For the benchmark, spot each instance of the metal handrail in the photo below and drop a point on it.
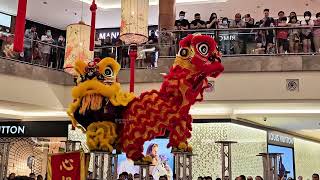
(240, 29)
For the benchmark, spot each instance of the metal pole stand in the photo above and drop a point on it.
(226, 158)
(143, 171)
(270, 165)
(72, 145)
(183, 165)
(4, 157)
(102, 170)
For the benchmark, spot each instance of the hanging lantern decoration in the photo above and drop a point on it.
(134, 29)
(134, 21)
(77, 45)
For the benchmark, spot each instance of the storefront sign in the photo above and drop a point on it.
(280, 139)
(34, 129)
(114, 33)
(12, 130)
(222, 37)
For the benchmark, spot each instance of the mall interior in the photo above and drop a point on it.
(259, 119)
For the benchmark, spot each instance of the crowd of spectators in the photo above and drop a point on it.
(128, 176)
(32, 176)
(43, 49)
(314, 176)
(239, 35)
(244, 35)
(148, 52)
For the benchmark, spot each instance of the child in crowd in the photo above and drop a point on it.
(307, 32)
(282, 36)
(294, 34)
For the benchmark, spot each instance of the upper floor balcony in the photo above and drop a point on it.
(274, 49)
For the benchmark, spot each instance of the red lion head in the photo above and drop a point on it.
(201, 51)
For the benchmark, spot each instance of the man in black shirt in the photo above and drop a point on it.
(269, 34)
(182, 23)
(153, 40)
(197, 23)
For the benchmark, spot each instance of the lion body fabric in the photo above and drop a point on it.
(156, 112)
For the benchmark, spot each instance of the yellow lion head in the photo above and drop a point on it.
(96, 83)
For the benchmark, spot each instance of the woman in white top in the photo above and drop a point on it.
(46, 49)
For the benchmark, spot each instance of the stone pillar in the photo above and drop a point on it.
(167, 14)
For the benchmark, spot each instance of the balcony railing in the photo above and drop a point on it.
(273, 41)
(300, 40)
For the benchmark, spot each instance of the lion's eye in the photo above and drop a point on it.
(203, 48)
(183, 52)
(108, 72)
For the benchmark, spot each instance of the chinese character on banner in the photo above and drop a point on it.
(68, 166)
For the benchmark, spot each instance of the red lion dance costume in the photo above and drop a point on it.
(99, 101)
(154, 112)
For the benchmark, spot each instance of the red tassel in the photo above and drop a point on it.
(93, 9)
(20, 26)
(133, 56)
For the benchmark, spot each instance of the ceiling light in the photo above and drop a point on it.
(209, 111)
(34, 113)
(276, 111)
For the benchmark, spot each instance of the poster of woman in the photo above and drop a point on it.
(162, 160)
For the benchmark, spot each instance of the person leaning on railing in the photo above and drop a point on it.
(30, 35)
(282, 35)
(294, 34)
(153, 40)
(224, 36)
(181, 24)
(197, 23)
(213, 23)
(107, 48)
(60, 52)
(46, 48)
(307, 32)
(316, 33)
(268, 21)
(249, 38)
(238, 43)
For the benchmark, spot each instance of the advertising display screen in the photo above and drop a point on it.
(5, 20)
(286, 164)
(162, 164)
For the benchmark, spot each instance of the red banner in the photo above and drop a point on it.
(67, 166)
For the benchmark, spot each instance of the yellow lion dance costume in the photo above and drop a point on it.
(98, 103)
